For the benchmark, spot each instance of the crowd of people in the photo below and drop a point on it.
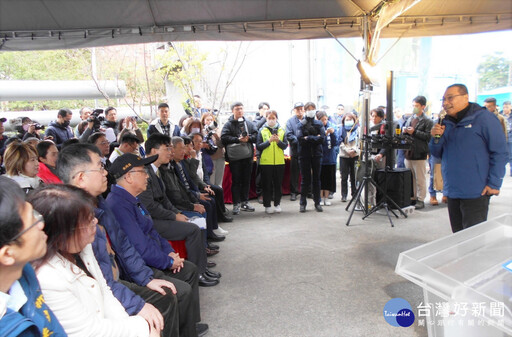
(88, 216)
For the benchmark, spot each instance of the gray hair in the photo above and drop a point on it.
(176, 140)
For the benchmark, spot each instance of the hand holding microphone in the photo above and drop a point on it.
(437, 131)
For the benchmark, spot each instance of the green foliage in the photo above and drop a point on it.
(182, 64)
(494, 72)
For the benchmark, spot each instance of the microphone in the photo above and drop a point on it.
(437, 137)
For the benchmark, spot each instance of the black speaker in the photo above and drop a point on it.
(399, 186)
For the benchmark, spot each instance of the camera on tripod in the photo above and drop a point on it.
(97, 118)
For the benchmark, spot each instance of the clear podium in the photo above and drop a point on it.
(466, 279)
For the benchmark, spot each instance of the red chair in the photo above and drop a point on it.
(180, 248)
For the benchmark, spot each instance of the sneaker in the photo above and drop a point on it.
(331, 195)
(318, 208)
(221, 231)
(260, 200)
(247, 207)
(302, 209)
(269, 210)
(433, 201)
(293, 197)
(419, 204)
(236, 209)
(327, 202)
(277, 209)
(201, 329)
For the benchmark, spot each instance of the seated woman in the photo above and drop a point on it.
(48, 154)
(23, 311)
(70, 277)
(21, 165)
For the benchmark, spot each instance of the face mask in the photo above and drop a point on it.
(303, 121)
(311, 114)
(349, 123)
(415, 111)
(65, 124)
(25, 127)
(194, 130)
(272, 122)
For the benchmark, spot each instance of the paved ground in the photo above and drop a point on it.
(294, 274)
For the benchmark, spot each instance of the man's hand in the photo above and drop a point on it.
(181, 217)
(378, 157)
(158, 284)
(410, 130)
(274, 138)
(209, 190)
(437, 130)
(154, 332)
(204, 197)
(178, 262)
(329, 131)
(153, 317)
(244, 139)
(490, 191)
(199, 208)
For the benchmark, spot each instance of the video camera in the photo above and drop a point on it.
(38, 126)
(209, 137)
(97, 118)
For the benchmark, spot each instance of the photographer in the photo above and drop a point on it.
(311, 136)
(94, 121)
(238, 136)
(85, 113)
(30, 129)
(215, 148)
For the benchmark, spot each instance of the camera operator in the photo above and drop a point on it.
(215, 148)
(311, 135)
(238, 136)
(94, 121)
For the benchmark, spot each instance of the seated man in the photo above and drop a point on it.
(167, 219)
(23, 311)
(129, 144)
(147, 294)
(181, 169)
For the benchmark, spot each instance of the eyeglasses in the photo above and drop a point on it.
(101, 170)
(91, 225)
(39, 219)
(450, 98)
(103, 143)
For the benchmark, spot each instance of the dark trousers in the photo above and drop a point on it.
(310, 170)
(219, 200)
(187, 292)
(179, 230)
(240, 179)
(465, 213)
(271, 180)
(211, 214)
(257, 179)
(167, 305)
(348, 169)
(294, 174)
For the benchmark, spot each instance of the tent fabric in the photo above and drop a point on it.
(60, 24)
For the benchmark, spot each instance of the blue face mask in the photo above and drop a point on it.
(349, 124)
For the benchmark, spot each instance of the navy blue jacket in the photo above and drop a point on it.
(312, 145)
(131, 265)
(136, 222)
(59, 133)
(292, 132)
(473, 154)
(34, 318)
(330, 154)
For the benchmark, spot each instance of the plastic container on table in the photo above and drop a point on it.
(466, 285)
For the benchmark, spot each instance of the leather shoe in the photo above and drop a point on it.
(318, 208)
(293, 197)
(212, 274)
(210, 264)
(211, 252)
(201, 329)
(212, 246)
(302, 209)
(207, 282)
(225, 218)
(216, 238)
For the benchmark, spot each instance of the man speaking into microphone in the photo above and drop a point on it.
(473, 157)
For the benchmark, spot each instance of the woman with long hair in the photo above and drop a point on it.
(70, 277)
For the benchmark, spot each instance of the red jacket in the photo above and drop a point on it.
(47, 176)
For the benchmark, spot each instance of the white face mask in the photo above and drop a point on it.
(194, 130)
(272, 122)
(311, 114)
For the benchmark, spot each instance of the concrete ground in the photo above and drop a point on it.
(307, 274)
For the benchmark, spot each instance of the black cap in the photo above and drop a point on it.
(126, 162)
(129, 138)
(3, 120)
(298, 105)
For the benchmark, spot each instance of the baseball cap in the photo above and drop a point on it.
(298, 105)
(126, 162)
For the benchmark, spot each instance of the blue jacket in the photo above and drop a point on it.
(136, 222)
(473, 153)
(59, 133)
(330, 151)
(312, 145)
(131, 265)
(34, 318)
(292, 131)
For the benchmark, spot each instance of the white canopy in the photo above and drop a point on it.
(58, 24)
